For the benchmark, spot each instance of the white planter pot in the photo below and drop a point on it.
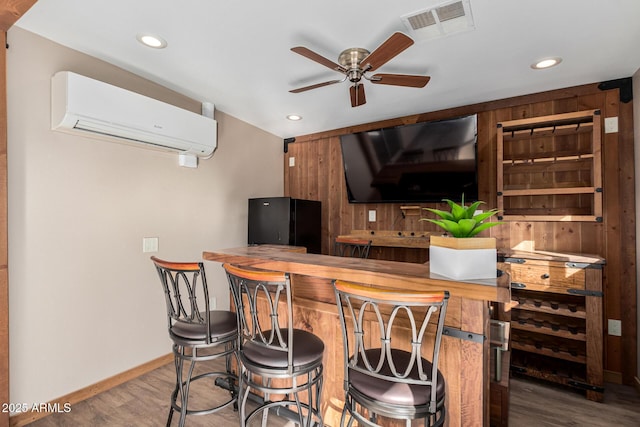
(449, 257)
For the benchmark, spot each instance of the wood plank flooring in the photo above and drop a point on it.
(533, 403)
(144, 402)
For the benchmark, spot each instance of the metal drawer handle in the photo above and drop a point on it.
(545, 276)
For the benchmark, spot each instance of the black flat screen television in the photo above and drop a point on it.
(423, 162)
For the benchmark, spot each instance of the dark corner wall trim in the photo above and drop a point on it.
(625, 85)
(288, 141)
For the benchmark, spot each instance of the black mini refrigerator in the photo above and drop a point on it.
(285, 221)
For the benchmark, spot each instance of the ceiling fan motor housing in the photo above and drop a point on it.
(351, 59)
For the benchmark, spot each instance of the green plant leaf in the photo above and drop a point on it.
(439, 223)
(441, 214)
(452, 227)
(471, 210)
(458, 211)
(484, 215)
(466, 227)
(483, 226)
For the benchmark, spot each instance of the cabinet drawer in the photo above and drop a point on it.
(548, 278)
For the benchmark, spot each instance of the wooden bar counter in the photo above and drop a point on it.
(465, 356)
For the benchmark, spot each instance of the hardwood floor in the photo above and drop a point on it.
(534, 403)
(144, 402)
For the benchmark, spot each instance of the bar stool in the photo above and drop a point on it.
(352, 247)
(198, 334)
(275, 357)
(385, 373)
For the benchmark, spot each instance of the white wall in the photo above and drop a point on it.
(85, 302)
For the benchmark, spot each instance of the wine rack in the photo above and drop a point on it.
(556, 319)
(550, 168)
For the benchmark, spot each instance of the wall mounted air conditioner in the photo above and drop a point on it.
(83, 105)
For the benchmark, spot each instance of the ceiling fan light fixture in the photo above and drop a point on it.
(151, 40)
(546, 63)
(294, 117)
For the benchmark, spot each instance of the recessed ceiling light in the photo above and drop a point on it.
(546, 63)
(150, 40)
(294, 117)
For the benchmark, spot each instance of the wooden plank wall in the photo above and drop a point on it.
(318, 175)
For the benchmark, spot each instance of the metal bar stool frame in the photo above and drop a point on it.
(352, 247)
(382, 378)
(286, 360)
(197, 335)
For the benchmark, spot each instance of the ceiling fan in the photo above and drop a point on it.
(355, 62)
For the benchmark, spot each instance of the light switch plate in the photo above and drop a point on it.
(610, 125)
(292, 162)
(615, 327)
(149, 244)
(372, 216)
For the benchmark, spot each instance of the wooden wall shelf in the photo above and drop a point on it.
(393, 239)
(550, 168)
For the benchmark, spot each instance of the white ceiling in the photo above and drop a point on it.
(237, 55)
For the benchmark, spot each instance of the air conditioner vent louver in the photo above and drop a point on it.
(445, 19)
(421, 20)
(450, 11)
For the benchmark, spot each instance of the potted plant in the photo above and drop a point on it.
(461, 255)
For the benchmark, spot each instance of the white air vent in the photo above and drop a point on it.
(444, 19)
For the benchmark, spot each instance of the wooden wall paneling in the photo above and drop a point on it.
(594, 244)
(613, 233)
(303, 161)
(324, 185)
(313, 171)
(487, 176)
(337, 192)
(628, 286)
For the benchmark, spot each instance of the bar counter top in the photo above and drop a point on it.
(392, 274)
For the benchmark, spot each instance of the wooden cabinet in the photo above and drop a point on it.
(556, 319)
(550, 168)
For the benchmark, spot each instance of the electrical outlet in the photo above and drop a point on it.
(615, 327)
(292, 162)
(372, 216)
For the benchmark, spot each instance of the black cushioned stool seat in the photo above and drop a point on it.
(197, 335)
(276, 359)
(391, 354)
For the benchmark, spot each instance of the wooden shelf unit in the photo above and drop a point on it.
(550, 168)
(557, 319)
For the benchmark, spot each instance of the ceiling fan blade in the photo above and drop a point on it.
(307, 53)
(315, 86)
(357, 95)
(400, 80)
(386, 51)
